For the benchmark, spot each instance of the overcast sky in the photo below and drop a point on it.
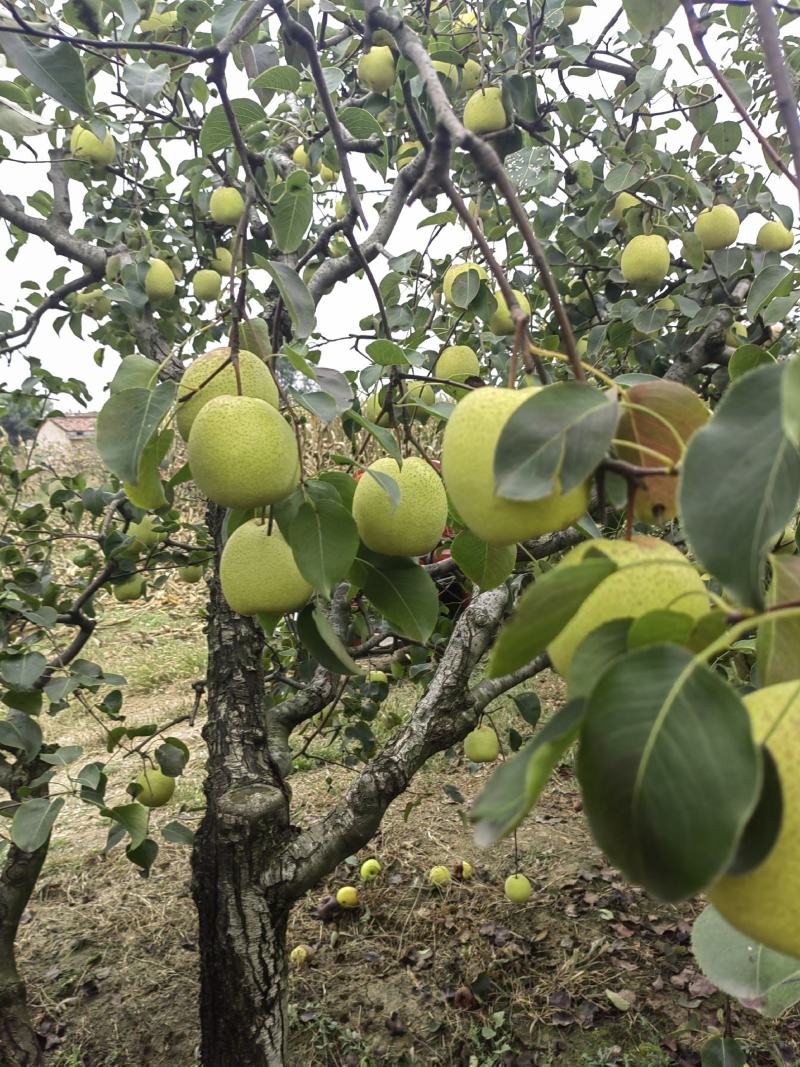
(338, 313)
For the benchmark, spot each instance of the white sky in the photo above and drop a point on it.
(338, 313)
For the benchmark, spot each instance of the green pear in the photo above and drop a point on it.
(258, 572)
(484, 111)
(412, 528)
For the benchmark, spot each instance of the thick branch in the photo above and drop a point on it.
(781, 79)
(63, 242)
(708, 349)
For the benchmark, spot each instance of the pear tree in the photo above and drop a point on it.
(564, 389)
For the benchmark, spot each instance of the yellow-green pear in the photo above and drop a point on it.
(717, 227)
(83, 144)
(226, 206)
(342, 207)
(651, 575)
(407, 151)
(207, 285)
(191, 573)
(242, 452)
(448, 71)
(484, 111)
(301, 157)
(370, 869)
(148, 490)
(131, 589)
(666, 303)
(456, 363)
(327, 174)
(414, 391)
(465, 32)
(254, 374)
(376, 69)
(222, 260)
(470, 76)
(258, 573)
(439, 876)
(623, 203)
(347, 897)
(159, 282)
(156, 788)
(501, 322)
(517, 888)
(412, 528)
(572, 12)
(454, 271)
(482, 745)
(470, 440)
(645, 261)
(94, 302)
(774, 237)
(144, 533)
(300, 954)
(735, 334)
(375, 408)
(764, 903)
(160, 25)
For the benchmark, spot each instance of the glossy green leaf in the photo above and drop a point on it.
(624, 176)
(723, 1052)
(294, 295)
(322, 642)
(763, 979)
(324, 540)
(649, 16)
(283, 79)
(401, 591)
(668, 768)
(772, 281)
(56, 71)
(747, 358)
(133, 818)
(732, 511)
(778, 642)
(543, 610)
(22, 672)
(554, 441)
(216, 133)
(134, 372)
(125, 424)
(291, 215)
(33, 822)
(485, 565)
(517, 783)
(790, 407)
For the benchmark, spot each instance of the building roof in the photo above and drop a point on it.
(77, 425)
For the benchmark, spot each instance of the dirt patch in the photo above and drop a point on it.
(590, 972)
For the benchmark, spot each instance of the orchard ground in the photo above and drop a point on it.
(590, 973)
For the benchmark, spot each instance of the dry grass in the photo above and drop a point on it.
(417, 976)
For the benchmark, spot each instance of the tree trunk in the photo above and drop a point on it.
(19, 1045)
(243, 966)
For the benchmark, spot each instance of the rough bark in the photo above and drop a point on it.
(242, 929)
(19, 1045)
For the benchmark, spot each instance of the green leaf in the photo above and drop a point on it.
(485, 565)
(598, 650)
(133, 818)
(668, 769)
(178, 833)
(723, 1052)
(725, 136)
(291, 213)
(732, 511)
(747, 358)
(56, 71)
(384, 437)
(543, 610)
(125, 424)
(359, 123)
(763, 979)
(22, 672)
(401, 591)
(554, 441)
(386, 353)
(322, 643)
(624, 176)
(19, 730)
(517, 783)
(770, 282)
(294, 295)
(172, 757)
(649, 16)
(660, 627)
(216, 133)
(324, 540)
(33, 821)
(791, 401)
(62, 757)
(145, 83)
(283, 79)
(778, 642)
(465, 288)
(134, 372)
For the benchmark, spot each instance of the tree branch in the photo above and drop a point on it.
(708, 349)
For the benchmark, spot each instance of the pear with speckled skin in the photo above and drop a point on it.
(376, 69)
(717, 227)
(470, 440)
(412, 528)
(484, 111)
(774, 237)
(258, 572)
(256, 380)
(242, 453)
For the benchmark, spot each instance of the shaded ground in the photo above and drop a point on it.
(589, 973)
